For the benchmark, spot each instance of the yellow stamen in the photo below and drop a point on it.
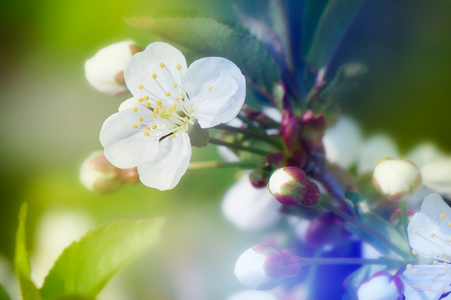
(134, 109)
(415, 232)
(162, 115)
(175, 85)
(147, 104)
(172, 135)
(168, 114)
(162, 65)
(154, 126)
(179, 67)
(147, 128)
(154, 76)
(146, 133)
(177, 98)
(210, 88)
(140, 99)
(432, 235)
(442, 216)
(134, 126)
(146, 98)
(159, 104)
(181, 127)
(191, 110)
(167, 94)
(183, 96)
(141, 86)
(140, 119)
(185, 119)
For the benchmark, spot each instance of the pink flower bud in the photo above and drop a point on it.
(290, 186)
(263, 267)
(97, 174)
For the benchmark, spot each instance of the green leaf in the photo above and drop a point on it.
(209, 37)
(378, 224)
(334, 20)
(3, 294)
(21, 261)
(85, 267)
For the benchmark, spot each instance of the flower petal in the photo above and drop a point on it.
(426, 282)
(166, 169)
(217, 90)
(125, 146)
(162, 60)
(129, 103)
(429, 229)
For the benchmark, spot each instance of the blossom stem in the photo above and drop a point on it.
(351, 261)
(249, 123)
(198, 165)
(364, 227)
(251, 133)
(236, 146)
(403, 213)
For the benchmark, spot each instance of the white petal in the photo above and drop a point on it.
(216, 89)
(379, 287)
(129, 103)
(252, 295)
(437, 176)
(373, 150)
(425, 282)
(429, 231)
(342, 143)
(249, 208)
(146, 63)
(125, 146)
(165, 171)
(249, 269)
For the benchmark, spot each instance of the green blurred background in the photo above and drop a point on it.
(50, 119)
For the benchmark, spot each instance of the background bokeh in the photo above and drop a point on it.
(50, 119)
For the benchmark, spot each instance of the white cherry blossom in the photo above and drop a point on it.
(170, 100)
(429, 233)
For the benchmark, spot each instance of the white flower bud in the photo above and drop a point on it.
(97, 174)
(396, 179)
(263, 267)
(252, 294)
(381, 286)
(290, 186)
(425, 153)
(437, 176)
(249, 208)
(342, 142)
(105, 70)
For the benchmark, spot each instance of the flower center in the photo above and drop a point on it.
(173, 111)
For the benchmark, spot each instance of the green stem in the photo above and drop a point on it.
(403, 212)
(350, 261)
(251, 133)
(198, 165)
(236, 146)
(369, 230)
(249, 123)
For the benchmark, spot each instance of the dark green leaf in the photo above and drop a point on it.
(3, 294)
(334, 20)
(209, 37)
(22, 264)
(87, 265)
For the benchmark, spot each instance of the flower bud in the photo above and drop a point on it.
(396, 179)
(263, 267)
(97, 174)
(381, 286)
(105, 70)
(290, 186)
